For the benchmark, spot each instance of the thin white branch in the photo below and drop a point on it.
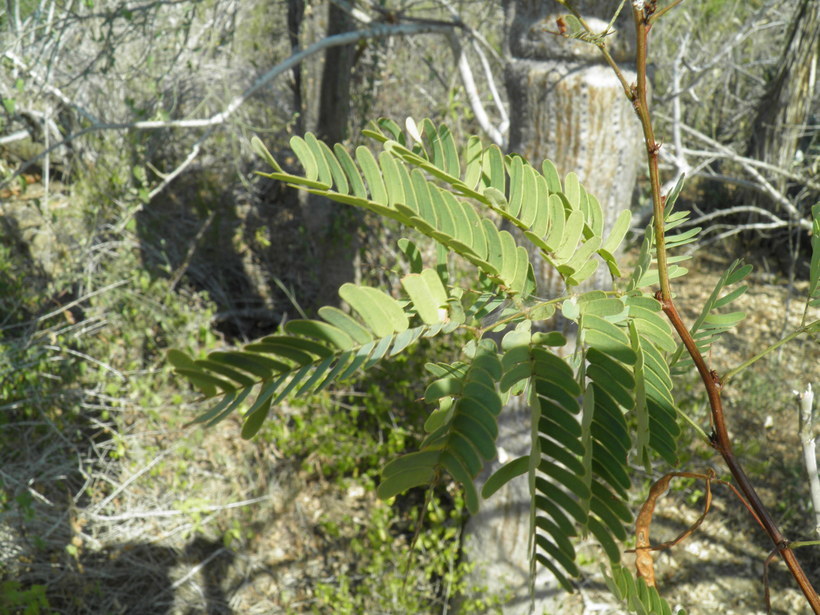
(488, 75)
(345, 38)
(154, 514)
(739, 228)
(806, 402)
(189, 159)
(86, 297)
(15, 136)
(134, 477)
(740, 209)
(89, 358)
(679, 158)
(197, 568)
(713, 155)
(473, 96)
(497, 135)
(43, 82)
(751, 27)
(744, 162)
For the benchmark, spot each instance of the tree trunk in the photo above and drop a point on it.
(784, 109)
(333, 229)
(565, 105)
(334, 98)
(296, 14)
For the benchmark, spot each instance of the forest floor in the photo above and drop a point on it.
(191, 521)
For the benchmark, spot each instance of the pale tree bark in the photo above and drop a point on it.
(565, 105)
(784, 110)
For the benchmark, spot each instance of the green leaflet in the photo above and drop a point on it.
(580, 260)
(428, 295)
(305, 156)
(607, 337)
(595, 215)
(258, 365)
(614, 239)
(551, 175)
(555, 234)
(540, 205)
(505, 474)
(601, 306)
(463, 434)
(711, 324)
(354, 178)
(253, 420)
(380, 312)
(339, 178)
(263, 152)
(372, 175)
(472, 160)
(320, 331)
(493, 168)
(392, 180)
(517, 188)
(531, 197)
(230, 402)
(414, 476)
(315, 147)
(635, 594)
(572, 232)
(346, 323)
(300, 351)
(205, 381)
(412, 254)
(572, 190)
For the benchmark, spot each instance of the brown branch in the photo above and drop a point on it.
(721, 441)
(638, 97)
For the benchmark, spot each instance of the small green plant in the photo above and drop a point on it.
(14, 599)
(596, 405)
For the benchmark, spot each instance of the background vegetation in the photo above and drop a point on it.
(132, 221)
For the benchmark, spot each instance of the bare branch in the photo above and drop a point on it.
(740, 209)
(473, 96)
(375, 31)
(747, 166)
(488, 75)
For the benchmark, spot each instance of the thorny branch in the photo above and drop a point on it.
(645, 14)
